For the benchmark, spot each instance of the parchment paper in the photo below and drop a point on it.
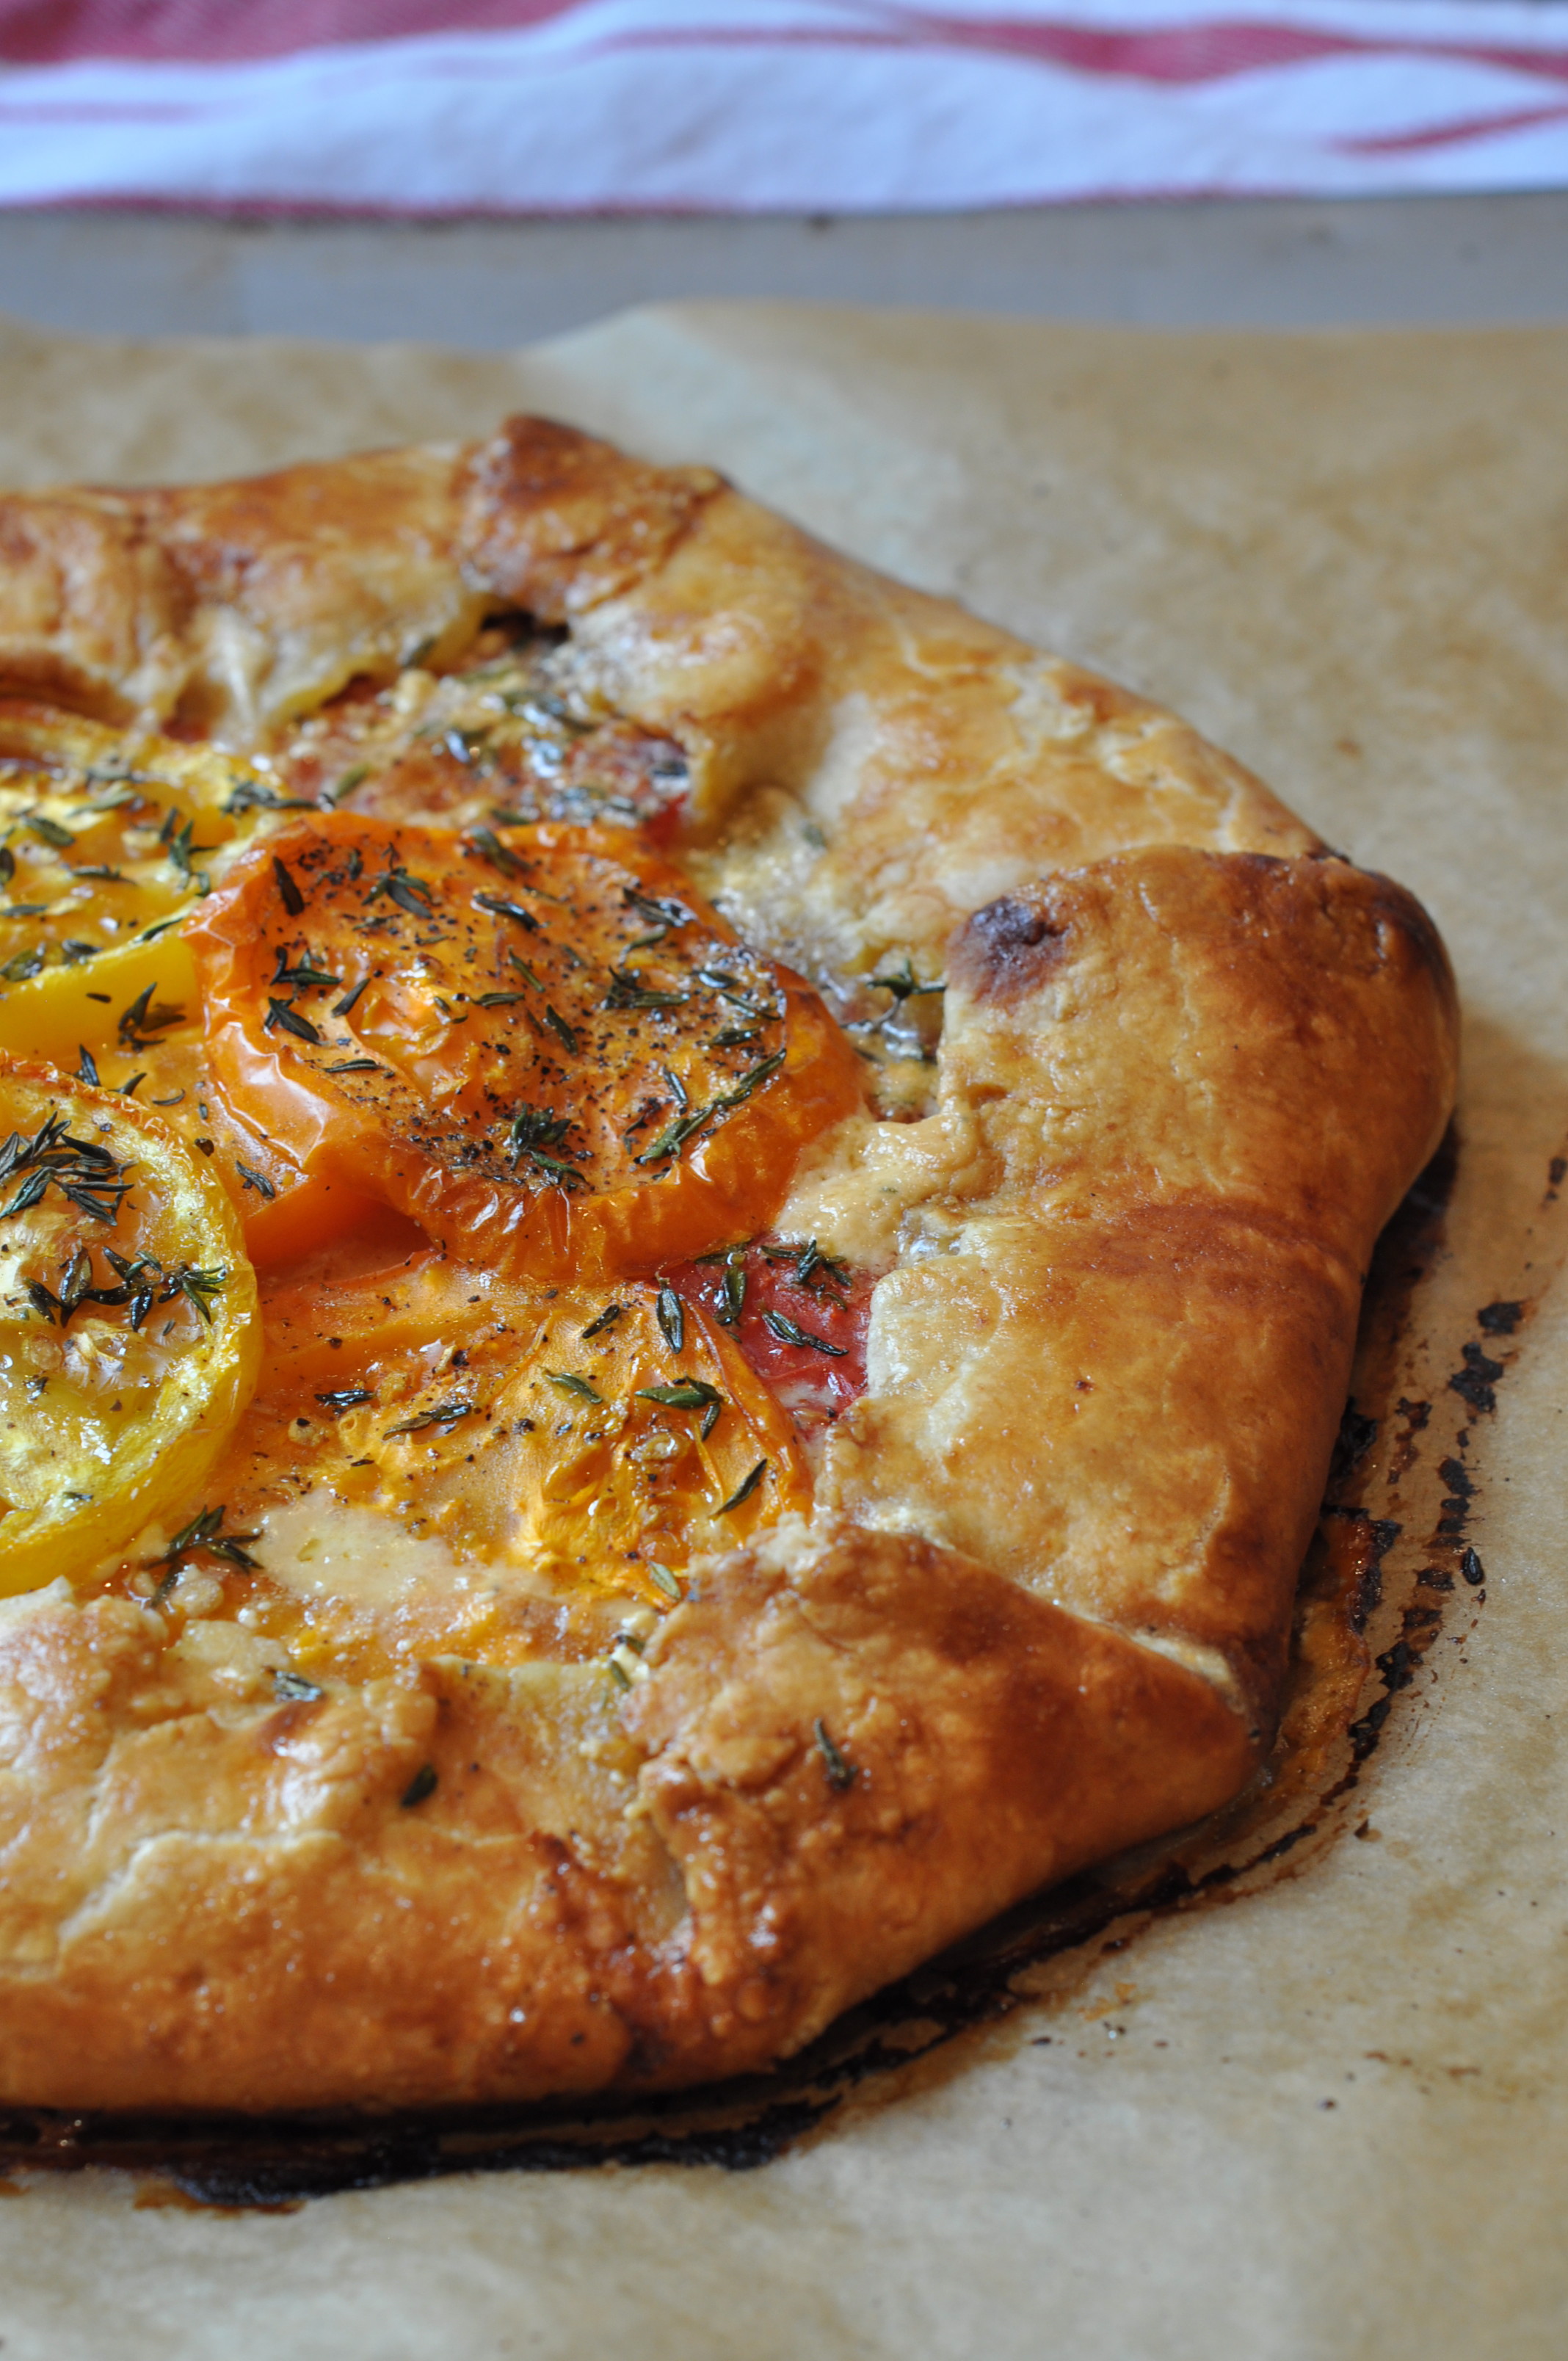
(1331, 2119)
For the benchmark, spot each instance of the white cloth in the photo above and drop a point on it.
(570, 106)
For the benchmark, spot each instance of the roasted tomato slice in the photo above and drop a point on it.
(106, 838)
(434, 1457)
(536, 1041)
(599, 1442)
(798, 1315)
(129, 1340)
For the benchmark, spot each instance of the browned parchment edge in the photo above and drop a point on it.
(1394, 1566)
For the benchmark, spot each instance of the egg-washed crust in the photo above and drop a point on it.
(1190, 1062)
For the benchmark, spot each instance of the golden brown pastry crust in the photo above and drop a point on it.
(1190, 1062)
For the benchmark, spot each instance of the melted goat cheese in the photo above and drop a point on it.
(321, 1548)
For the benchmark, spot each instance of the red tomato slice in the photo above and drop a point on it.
(799, 1317)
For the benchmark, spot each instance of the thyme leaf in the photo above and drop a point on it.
(345, 784)
(669, 913)
(293, 1689)
(49, 831)
(903, 984)
(628, 991)
(841, 1772)
(282, 1012)
(410, 894)
(674, 1137)
(744, 1491)
(181, 849)
(607, 1319)
(143, 1019)
(81, 1169)
(204, 1536)
(293, 900)
(500, 855)
(564, 1032)
(303, 973)
(686, 1394)
(732, 1289)
(718, 980)
(789, 1332)
(672, 1316)
(752, 1081)
(253, 794)
(196, 1286)
(566, 1176)
(503, 910)
(534, 1127)
(813, 1269)
(446, 1413)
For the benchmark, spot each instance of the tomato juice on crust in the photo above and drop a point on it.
(536, 1041)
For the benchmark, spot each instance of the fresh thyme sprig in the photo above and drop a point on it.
(903, 984)
(204, 1536)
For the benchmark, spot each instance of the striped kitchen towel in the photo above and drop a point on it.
(434, 108)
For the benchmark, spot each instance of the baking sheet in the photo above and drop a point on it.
(1320, 2118)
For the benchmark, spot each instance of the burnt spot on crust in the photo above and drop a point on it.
(1299, 916)
(1010, 947)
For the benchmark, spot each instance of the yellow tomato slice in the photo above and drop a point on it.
(107, 838)
(129, 1335)
(62, 1011)
(536, 1041)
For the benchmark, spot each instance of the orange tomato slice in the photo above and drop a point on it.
(535, 1041)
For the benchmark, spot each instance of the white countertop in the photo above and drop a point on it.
(1478, 260)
